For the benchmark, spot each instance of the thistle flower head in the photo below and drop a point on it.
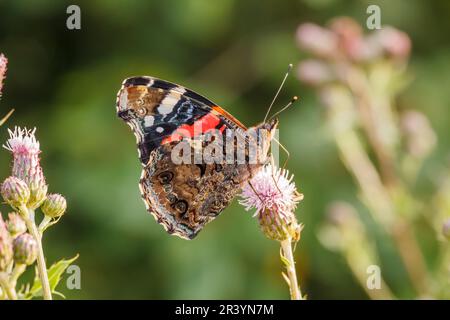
(25, 149)
(6, 248)
(271, 189)
(15, 224)
(3, 63)
(22, 142)
(25, 249)
(274, 196)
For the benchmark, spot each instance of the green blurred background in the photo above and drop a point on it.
(234, 52)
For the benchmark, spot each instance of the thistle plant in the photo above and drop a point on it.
(274, 196)
(358, 78)
(25, 191)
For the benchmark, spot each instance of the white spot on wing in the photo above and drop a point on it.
(167, 104)
(180, 89)
(123, 101)
(148, 121)
(159, 129)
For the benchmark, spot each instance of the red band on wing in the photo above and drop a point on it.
(206, 123)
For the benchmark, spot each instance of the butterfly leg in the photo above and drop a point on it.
(254, 191)
(285, 150)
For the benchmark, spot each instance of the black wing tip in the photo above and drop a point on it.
(165, 85)
(137, 81)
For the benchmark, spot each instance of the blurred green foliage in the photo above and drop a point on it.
(235, 52)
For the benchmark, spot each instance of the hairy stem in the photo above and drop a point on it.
(16, 273)
(6, 286)
(286, 247)
(28, 215)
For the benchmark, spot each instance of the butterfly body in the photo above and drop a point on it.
(172, 123)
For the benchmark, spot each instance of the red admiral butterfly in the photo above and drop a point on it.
(184, 197)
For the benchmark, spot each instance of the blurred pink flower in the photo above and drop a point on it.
(314, 72)
(3, 63)
(446, 229)
(345, 40)
(394, 42)
(317, 40)
(419, 136)
(350, 36)
(351, 40)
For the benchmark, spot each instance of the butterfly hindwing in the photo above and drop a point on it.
(185, 197)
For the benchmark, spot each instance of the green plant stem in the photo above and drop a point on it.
(379, 201)
(6, 286)
(28, 216)
(16, 273)
(45, 223)
(286, 247)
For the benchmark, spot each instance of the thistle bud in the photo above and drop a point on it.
(15, 192)
(25, 249)
(279, 225)
(54, 206)
(274, 196)
(6, 248)
(38, 192)
(15, 224)
(25, 149)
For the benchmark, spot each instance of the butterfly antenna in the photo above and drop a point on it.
(295, 98)
(2, 121)
(278, 92)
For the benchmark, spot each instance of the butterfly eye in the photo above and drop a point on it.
(165, 177)
(181, 206)
(142, 111)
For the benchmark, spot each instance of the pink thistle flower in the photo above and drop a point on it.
(274, 196)
(25, 149)
(3, 63)
(22, 142)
